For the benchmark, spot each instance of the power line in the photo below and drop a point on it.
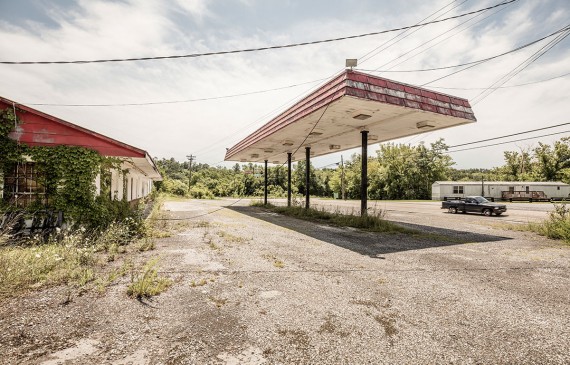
(417, 153)
(477, 63)
(474, 63)
(291, 45)
(502, 87)
(519, 68)
(367, 56)
(506, 142)
(180, 101)
(441, 41)
(199, 215)
(509, 135)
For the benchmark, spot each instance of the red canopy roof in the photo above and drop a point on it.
(329, 118)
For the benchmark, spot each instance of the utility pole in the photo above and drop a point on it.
(190, 159)
(342, 177)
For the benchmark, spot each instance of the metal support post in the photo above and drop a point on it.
(265, 185)
(364, 175)
(307, 175)
(289, 179)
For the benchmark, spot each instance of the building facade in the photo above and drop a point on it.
(504, 190)
(132, 181)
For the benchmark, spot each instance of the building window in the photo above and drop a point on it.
(22, 187)
(558, 188)
(458, 189)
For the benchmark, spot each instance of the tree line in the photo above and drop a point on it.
(397, 171)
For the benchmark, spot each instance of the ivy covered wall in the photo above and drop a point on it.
(68, 174)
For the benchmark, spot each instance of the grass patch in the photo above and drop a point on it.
(25, 268)
(146, 282)
(556, 226)
(145, 244)
(276, 262)
(78, 259)
(219, 302)
(372, 222)
(228, 237)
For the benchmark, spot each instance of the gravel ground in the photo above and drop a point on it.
(254, 287)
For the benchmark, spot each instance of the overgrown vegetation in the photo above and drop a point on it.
(81, 259)
(556, 226)
(397, 171)
(146, 282)
(77, 259)
(372, 222)
(66, 175)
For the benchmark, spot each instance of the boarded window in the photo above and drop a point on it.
(458, 189)
(22, 186)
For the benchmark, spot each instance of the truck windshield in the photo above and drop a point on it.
(481, 200)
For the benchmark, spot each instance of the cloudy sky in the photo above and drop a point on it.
(62, 30)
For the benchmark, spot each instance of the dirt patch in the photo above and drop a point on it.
(340, 297)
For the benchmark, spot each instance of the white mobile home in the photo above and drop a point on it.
(505, 190)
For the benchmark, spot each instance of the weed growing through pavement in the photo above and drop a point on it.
(145, 244)
(373, 221)
(228, 237)
(556, 226)
(200, 282)
(219, 302)
(276, 262)
(146, 282)
(68, 261)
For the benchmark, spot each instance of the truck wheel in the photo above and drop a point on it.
(452, 210)
(487, 212)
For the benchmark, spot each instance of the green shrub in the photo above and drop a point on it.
(373, 221)
(200, 191)
(557, 226)
(175, 187)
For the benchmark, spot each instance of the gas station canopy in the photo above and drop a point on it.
(330, 119)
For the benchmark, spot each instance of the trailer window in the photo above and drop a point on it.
(457, 189)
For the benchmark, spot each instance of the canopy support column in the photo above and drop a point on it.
(364, 175)
(289, 179)
(307, 175)
(265, 185)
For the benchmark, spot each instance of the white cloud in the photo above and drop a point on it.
(101, 29)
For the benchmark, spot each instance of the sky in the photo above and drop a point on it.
(66, 30)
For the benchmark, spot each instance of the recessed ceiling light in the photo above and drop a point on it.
(315, 133)
(269, 150)
(334, 147)
(425, 124)
(255, 155)
(362, 116)
(287, 143)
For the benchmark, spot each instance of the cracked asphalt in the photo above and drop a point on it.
(254, 287)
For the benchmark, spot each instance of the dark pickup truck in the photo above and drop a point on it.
(474, 204)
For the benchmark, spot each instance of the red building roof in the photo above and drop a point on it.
(41, 129)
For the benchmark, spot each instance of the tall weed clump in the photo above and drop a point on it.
(557, 226)
(146, 282)
(373, 221)
(67, 261)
